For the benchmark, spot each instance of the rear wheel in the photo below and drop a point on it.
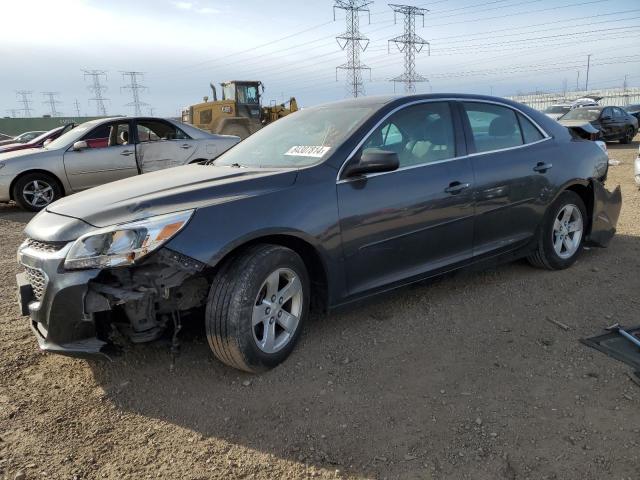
(562, 233)
(34, 191)
(628, 136)
(257, 305)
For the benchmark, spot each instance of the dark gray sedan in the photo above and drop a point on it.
(322, 208)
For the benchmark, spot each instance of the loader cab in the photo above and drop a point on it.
(246, 96)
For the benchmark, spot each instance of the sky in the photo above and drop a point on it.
(499, 47)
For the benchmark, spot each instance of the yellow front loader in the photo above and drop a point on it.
(239, 112)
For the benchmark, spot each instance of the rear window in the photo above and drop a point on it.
(588, 114)
(530, 132)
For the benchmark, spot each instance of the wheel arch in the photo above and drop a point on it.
(584, 189)
(35, 170)
(311, 256)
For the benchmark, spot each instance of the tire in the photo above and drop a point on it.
(546, 254)
(243, 323)
(628, 136)
(46, 188)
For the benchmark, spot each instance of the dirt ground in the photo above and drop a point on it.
(461, 378)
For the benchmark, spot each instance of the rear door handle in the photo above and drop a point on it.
(542, 167)
(456, 187)
(126, 153)
(185, 146)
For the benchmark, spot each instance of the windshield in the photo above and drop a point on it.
(557, 109)
(71, 136)
(297, 140)
(589, 114)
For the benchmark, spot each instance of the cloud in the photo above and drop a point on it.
(208, 10)
(183, 5)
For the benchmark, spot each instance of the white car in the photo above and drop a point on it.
(102, 151)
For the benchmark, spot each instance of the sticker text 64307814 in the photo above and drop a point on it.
(316, 151)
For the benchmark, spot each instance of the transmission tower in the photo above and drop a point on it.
(24, 98)
(50, 99)
(409, 43)
(13, 112)
(135, 88)
(76, 105)
(98, 89)
(352, 41)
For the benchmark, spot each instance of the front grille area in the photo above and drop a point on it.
(37, 280)
(48, 247)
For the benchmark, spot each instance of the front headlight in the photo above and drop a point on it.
(124, 244)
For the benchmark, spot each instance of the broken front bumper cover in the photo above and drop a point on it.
(64, 306)
(54, 301)
(606, 210)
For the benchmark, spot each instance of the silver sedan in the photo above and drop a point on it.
(102, 151)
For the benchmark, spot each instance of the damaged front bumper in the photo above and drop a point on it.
(606, 210)
(54, 300)
(64, 306)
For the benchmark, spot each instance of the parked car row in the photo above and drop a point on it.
(613, 123)
(38, 142)
(22, 138)
(102, 151)
(328, 205)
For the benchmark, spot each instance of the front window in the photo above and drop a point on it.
(419, 134)
(301, 139)
(248, 94)
(588, 114)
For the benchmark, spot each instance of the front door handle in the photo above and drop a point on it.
(185, 146)
(126, 153)
(542, 167)
(456, 187)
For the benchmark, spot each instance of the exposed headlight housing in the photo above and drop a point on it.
(124, 244)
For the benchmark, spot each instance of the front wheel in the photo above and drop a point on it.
(34, 191)
(561, 234)
(257, 306)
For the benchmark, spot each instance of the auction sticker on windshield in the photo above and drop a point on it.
(316, 151)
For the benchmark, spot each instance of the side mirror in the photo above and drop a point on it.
(80, 145)
(373, 161)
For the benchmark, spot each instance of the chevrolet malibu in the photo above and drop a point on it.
(324, 207)
(102, 151)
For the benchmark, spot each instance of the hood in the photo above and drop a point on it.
(21, 153)
(14, 146)
(166, 191)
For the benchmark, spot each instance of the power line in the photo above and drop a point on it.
(98, 89)
(24, 98)
(76, 105)
(353, 42)
(135, 89)
(50, 99)
(409, 43)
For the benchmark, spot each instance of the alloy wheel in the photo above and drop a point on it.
(567, 231)
(38, 193)
(277, 310)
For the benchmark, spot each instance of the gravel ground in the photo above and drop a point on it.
(460, 378)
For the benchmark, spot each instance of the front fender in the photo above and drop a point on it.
(606, 210)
